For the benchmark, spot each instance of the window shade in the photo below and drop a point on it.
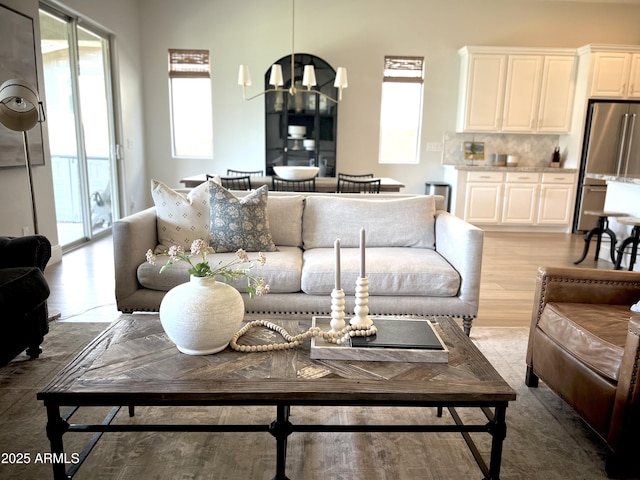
(403, 69)
(189, 63)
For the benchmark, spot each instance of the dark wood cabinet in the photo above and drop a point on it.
(315, 112)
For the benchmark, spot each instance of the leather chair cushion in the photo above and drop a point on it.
(593, 333)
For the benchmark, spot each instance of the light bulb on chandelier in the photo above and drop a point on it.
(276, 79)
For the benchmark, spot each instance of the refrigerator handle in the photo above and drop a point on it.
(623, 141)
(629, 146)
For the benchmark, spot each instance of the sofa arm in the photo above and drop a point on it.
(460, 243)
(29, 251)
(132, 237)
(583, 285)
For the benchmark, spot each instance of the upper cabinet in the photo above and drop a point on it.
(516, 90)
(614, 71)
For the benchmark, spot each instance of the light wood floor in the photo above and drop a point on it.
(82, 285)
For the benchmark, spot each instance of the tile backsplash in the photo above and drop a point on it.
(532, 150)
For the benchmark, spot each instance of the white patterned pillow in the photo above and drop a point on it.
(239, 222)
(180, 220)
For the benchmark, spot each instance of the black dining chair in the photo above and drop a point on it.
(355, 176)
(236, 183)
(241, 173)
(283, 185)
(358, 186)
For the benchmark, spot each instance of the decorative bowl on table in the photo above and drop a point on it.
(296, 173)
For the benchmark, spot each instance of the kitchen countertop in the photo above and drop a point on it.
(613, 178)
(494, 168)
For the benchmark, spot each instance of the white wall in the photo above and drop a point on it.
(356, 34)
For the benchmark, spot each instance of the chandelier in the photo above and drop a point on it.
(308, 77)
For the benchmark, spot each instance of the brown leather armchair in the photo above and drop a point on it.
(584, 344)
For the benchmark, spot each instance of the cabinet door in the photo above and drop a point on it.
(520, 203)
(522, 93)
(634, 78)
(556, 94)
(484, 93)
(610, 74)
(555, 204)
(483, 203)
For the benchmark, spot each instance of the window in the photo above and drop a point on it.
(401, 109)
(190, 93)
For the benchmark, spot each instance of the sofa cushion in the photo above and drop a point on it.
(285, 219)
(397, 222)
(391, 271)
(593, 333)
(281, 271)
(180, 219)
(239, 222)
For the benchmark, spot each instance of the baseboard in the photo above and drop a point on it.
(56, 254)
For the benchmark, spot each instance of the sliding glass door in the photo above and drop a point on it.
(80, 120)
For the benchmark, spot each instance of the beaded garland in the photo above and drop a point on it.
(339, 337)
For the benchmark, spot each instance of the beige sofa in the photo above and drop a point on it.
(420, 259)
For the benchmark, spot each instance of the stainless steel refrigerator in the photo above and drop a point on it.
(611, 147)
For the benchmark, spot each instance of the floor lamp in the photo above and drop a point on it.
(20, 110)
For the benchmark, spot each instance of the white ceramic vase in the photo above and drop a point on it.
(202, 315)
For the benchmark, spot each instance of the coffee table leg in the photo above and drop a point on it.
(56, 427)
(281, 429)
(498, 433)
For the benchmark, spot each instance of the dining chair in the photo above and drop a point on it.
(355, 176)
(236, 183)
(283, 185)
(358, 186)
(241, 173)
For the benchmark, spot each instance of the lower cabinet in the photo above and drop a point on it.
(515, 198)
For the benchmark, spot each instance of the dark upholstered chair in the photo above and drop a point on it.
(23, 295)
(584, 344)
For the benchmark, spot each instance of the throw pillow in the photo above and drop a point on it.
(180, 219)
(239, 222)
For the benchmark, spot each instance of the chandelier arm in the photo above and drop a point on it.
(270, 90)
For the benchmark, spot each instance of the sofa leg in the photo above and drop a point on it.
(531, 379)
(466, 325)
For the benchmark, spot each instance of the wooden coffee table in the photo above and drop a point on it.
(129, 364)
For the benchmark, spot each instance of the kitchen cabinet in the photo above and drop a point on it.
(516, 90)
(483, 198)
(556, 199)
(481, 94)
(514, 200)
(520, 198)
(614, 74)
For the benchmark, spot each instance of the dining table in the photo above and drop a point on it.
(323, 184)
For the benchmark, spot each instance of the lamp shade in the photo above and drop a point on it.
(275, 78)
(341, 78)
(18, 105)
(244, 76)
(309, 76)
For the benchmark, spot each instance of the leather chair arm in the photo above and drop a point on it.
(584, 285)
(625, 418)
(29, 251)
